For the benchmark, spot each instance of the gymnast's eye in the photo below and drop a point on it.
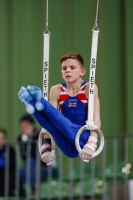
(64, 68)
(73, 67)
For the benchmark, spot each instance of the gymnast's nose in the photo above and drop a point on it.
(68, 70)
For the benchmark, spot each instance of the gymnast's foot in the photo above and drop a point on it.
(37, 95)
(27, 100)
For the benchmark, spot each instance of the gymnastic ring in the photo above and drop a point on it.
(40, 138)
(101, 140)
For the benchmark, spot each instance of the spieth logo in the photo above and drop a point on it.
(72, 103)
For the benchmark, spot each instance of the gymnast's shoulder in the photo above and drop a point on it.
(87, 89)
(88, 85)
(55, 91)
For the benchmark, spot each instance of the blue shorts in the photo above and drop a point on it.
(61, 128)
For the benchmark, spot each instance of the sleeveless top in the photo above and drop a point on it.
(74, 108)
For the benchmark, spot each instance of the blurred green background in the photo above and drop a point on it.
(22, 24)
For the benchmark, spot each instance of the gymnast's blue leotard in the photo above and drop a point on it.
(64, 125)
(74, 108)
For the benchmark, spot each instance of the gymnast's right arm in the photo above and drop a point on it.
(53, 99)
(54, 95)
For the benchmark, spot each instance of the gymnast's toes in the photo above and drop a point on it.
(27, 100)
(23, 93)
(37, 95)
(34, 91)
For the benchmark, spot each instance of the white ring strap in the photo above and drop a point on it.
(46, 49)
(46, 65)
(90, 123)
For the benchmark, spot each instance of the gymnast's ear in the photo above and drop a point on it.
(61, 72)
(83, 71)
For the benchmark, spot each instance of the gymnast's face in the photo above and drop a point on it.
(71, 70)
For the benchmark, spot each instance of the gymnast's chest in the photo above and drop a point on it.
(75, 110)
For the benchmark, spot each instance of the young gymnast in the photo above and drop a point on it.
(66, 112)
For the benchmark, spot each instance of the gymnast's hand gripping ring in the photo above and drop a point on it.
(99, 132)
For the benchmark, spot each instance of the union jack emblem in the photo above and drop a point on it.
(72, 104)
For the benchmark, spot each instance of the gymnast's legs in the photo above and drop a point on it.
(61, 128)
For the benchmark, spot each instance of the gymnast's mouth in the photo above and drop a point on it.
(68, 76)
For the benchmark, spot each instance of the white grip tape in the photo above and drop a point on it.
(100, 136)
(90, 147)
(93, 139)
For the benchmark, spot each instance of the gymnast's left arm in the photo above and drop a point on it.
(96, 117)
(88, 152)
